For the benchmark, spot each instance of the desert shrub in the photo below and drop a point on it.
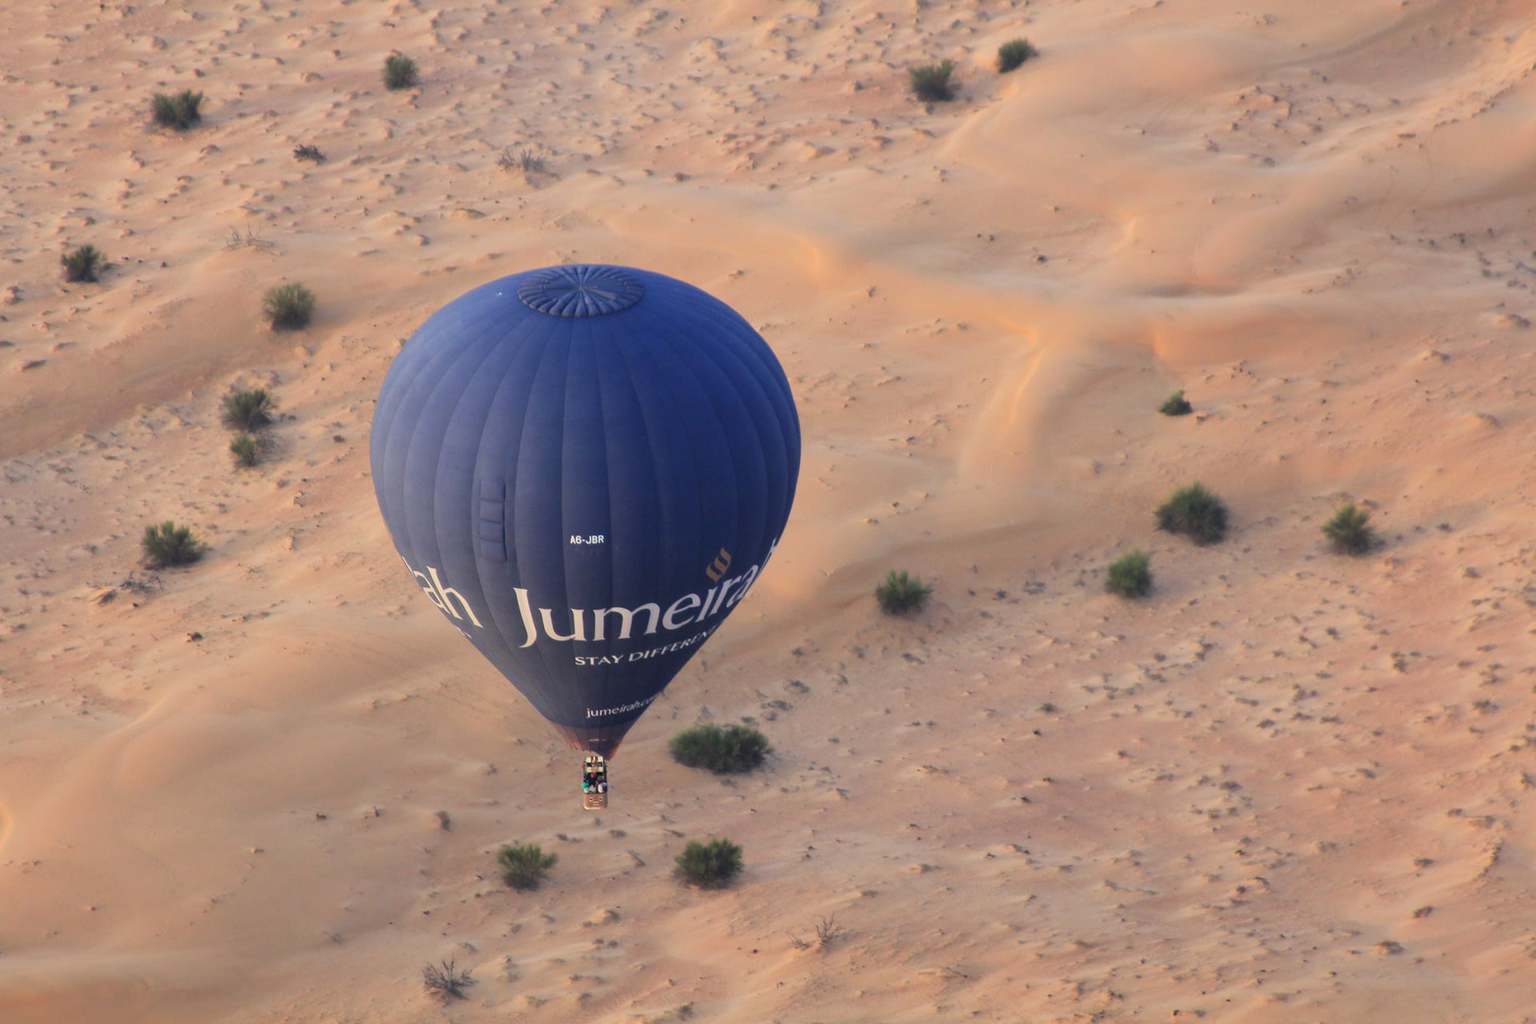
(900, 593)
(445, 981)
(245, 450)
(167, 544)
(1194, 512)
(247, 410)
(931, 82)
(1175, 405)
(733, 748)
(522, 159)
(709, 865)
(83, 263)
(179, 111)
(399, 71)
(1130, 575)
(524, 866)
(828, 933)
(310, 153)
(1349, 531)
(249, 240)
(288, 306)
(1013, 53)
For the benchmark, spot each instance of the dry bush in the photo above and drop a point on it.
(445, 981)
(524, 159)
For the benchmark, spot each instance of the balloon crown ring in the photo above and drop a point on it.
(580, 290)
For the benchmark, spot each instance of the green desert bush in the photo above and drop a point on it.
(932, 83)
(732, 748)
(1175, 405)
(166, 544)
(246, 451)
(288, 306)
(1013, 53)
(445, 981)
(1349, 531)
(900, 593)
(1194, 512)
(179, 111)
(83, 263)
(524, 865)
(709, 865)
(248, 409)
(1130, 575)
(399, 71)
(310, 153)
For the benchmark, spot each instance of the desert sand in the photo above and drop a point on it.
(1290, 786)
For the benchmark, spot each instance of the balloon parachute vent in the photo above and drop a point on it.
(581, 290)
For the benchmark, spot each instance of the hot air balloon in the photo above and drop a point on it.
(586, 469)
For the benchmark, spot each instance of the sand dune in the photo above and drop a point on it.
(1290, 787)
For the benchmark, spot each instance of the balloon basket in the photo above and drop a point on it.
(594, 783)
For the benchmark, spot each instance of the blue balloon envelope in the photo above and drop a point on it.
(586, 469)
